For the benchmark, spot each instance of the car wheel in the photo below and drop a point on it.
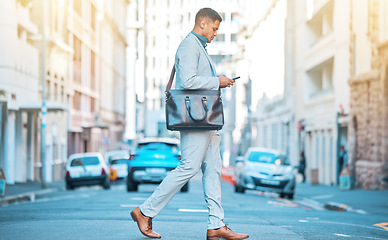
(69, 186)
(131, 185)
(282, 194)
(185, 187)
(239, 189)
(290, 196)
(106, 184)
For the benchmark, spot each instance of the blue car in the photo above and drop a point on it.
(151, 161)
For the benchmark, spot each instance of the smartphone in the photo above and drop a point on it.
(235, 78)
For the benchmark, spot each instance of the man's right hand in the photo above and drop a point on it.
(225, 81)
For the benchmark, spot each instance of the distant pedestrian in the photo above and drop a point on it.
(342, 159)
(302, 165)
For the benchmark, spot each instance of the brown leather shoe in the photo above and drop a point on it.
(224, 233)
(144, 223)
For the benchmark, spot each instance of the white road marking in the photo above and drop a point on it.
(193, 210)
(128, 205)
(139, 198)
(341, 235)
(323, 196)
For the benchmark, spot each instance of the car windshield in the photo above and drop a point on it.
(153, 146)
(266, 157)
(262, 157)
(119, 161)
(84, 161)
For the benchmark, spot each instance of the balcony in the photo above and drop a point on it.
(23, 18)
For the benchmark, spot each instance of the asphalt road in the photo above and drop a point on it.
(95, 213)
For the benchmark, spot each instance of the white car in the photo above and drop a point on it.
(265, 170)
(120, 165)
(85, 169)
(114, 154)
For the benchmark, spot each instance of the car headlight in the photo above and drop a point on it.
(278, 162)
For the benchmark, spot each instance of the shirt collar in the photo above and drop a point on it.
(202, 39)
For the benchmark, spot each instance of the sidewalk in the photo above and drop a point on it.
(28, 191)
(355, 200)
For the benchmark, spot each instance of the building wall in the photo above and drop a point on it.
(321, 73)
(81, 116)
(368, 132)
(98, 74)
(19, 77)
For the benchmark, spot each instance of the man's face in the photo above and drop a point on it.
(210, 29)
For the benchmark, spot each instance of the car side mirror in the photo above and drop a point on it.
(239, 159)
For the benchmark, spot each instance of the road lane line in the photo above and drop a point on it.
(192, 210)
(128, 205)
(341, 235)
(323, 196)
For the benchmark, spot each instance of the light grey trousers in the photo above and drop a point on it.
(200, 150)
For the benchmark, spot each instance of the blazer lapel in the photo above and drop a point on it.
(206, 54)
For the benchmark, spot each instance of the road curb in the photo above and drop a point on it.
(333, 206)
(25, 197)
(340, 207)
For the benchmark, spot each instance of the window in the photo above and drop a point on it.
(85, 161)
(92, 105)
(93, 17)
(92, 70)
(233, 37)
(77, 5)
(48, 90)
(77, 100)
(220, 38)
(320, 24)
(319, 80)
(56, 95)
(77, 59)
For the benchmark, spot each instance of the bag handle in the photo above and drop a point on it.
(204, 104)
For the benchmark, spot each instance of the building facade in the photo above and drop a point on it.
(63, 62)
(321, 72)
(19, 79)
(97, 36)
(335, 91)
(368, 117)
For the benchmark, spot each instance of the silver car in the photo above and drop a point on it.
(265, 170)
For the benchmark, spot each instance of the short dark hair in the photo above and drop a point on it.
(207, 13)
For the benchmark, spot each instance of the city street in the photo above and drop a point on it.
(95, 213)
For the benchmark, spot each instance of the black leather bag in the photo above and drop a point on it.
(195, 110)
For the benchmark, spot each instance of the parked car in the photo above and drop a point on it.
(85, 169)
(114, 154)
(152, 160)
(120, 165)
(265, 170)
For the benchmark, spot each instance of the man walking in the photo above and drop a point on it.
(200, 149)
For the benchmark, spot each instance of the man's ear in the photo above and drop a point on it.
(203, 24)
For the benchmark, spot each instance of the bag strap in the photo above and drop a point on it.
(169, 84)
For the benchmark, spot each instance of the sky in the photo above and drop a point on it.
(266, 51)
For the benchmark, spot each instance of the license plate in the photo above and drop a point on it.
(156, 170)
(86, 174)
(270, 182)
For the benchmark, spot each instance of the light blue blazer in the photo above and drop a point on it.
(193, 66)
